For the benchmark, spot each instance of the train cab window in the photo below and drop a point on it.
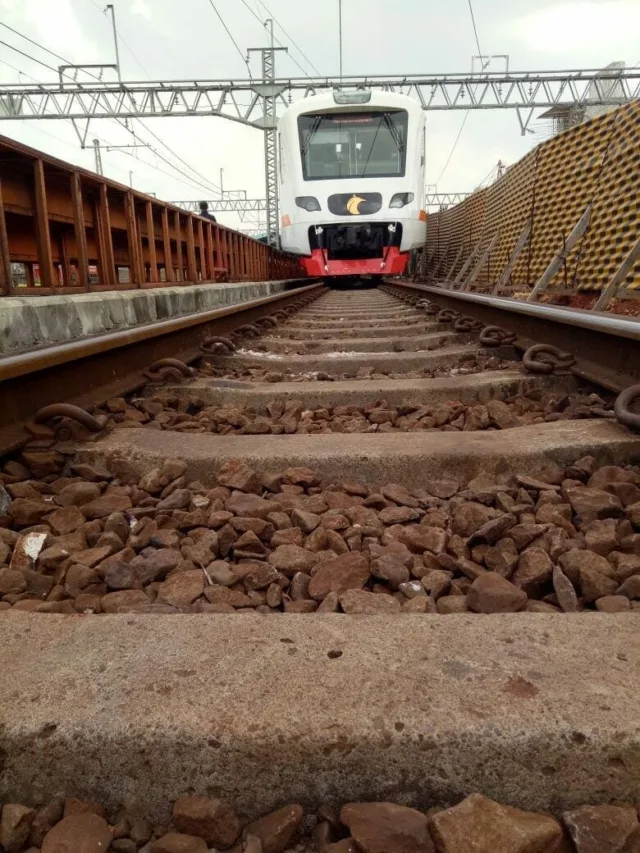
(353, 145)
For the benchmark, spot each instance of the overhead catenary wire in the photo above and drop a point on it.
(290, 37)
(475, 29)
(230, 34)
(466, 115)
(277, 41)
(201, 182)
(103, 141)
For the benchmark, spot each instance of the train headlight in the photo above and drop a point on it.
(401, 199)
(308, 202)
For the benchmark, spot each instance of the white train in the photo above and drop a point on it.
(352, 184)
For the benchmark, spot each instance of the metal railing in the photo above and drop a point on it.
(67, 230)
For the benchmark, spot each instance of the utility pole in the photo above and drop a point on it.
(98, 155)
(269, 93)
(115, 39)
(221, 182)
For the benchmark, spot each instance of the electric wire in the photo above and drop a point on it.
(103, 141)
(277, 40)
(229, 33)
(455, 145)
(290, 37)
(475, 31)
(203, 182)
(466, 115)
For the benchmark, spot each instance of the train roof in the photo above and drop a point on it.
(351, 101)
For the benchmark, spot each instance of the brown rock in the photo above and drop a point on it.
(398, 515)
(234, 474)
(250, 506)
(390, 569)
(594, 584)
(481, 825)
(387, 828)
(613, 604)
(78, 833)
(421, 538)
(359, 601)
(77, 494)
(329, 604)
(501, 415)
(45, 818)
(491, 593)
(182, 588)
(491, 531)
(177, 842)
(300, 606)
(290, 559)
(12, 582)
(121, 576)
(502, 557)
(348, 571)
(468, 568)
(600, 536)
(26, 513)
(261, 576)
(436, 583)
(604, 829)
(72, 805)
(207, 818)
(452, 604)
(277, 830)
(631, 588)
(121, 601)
(533, 571)
(105, 505)
(523, 534)
(154, 565)
(565, 591)
(586, 501)
(43, 462)
(65, 520)
(469, 517)
(15, 826)
(399, 495)
(576, 559)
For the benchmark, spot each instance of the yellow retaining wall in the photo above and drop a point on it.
(597, 162)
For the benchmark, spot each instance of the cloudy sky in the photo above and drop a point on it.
(166, 39)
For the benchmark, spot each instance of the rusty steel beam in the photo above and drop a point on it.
(72, 231)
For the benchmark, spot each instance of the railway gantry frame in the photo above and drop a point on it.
(523, 91)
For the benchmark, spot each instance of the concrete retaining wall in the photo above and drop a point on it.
(32, 321)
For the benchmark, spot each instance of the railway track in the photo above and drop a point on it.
(315, 457)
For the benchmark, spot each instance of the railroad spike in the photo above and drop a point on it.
(63, 417)
(622, 407)
(218, 346)
(495, 336)
(169, 369)
(545, 358)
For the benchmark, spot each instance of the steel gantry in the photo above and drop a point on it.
(259, 205)
(226, 205)
(520, 90)
(256, 102)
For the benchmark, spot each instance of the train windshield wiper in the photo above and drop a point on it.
(393, 130)
(310, 135)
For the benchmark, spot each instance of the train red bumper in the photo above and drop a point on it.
(394, 264)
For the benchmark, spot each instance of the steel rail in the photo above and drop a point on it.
(91, 370)
(607, 347)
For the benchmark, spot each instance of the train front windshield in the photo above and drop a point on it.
(353, 145)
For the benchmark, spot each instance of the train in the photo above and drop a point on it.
(352, 183)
